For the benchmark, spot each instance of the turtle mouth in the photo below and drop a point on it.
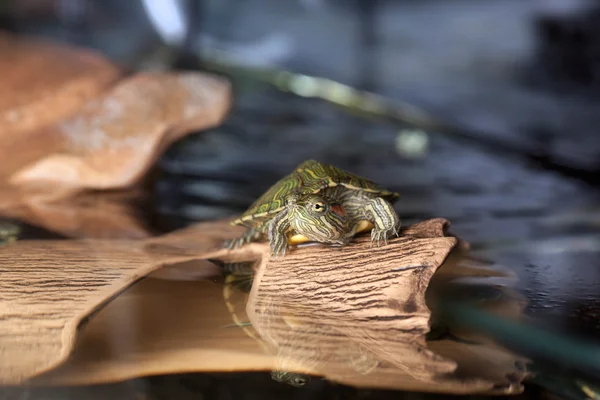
(363, 225)
(297, 238)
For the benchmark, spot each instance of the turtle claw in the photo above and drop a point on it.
(250, 236)
(375, 238)
(379, 236)
(233, 243)
(236, 242)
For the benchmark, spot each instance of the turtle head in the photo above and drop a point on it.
(320, 219)
(291, 378)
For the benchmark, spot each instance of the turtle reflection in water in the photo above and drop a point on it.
(238, 283)
(291, 378)
(321, 203)
(9, 232)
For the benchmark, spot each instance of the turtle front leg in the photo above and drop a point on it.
(382, 214)
(251, 235)
(278, 228)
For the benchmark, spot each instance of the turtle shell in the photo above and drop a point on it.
(310, 177)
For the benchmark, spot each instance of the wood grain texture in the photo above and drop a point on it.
(48, 287)
(306, 307)
(358, 298)
(357, 315)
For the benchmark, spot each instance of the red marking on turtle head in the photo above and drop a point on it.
(339, 210)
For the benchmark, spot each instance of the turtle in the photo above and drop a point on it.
(320, 203)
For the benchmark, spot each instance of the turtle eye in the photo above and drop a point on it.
(318, 207)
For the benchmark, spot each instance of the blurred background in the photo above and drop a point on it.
(487, 115)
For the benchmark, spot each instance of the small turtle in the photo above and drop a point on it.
(321, 203)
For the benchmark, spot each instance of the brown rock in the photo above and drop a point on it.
(115, 138)
(42, 83)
